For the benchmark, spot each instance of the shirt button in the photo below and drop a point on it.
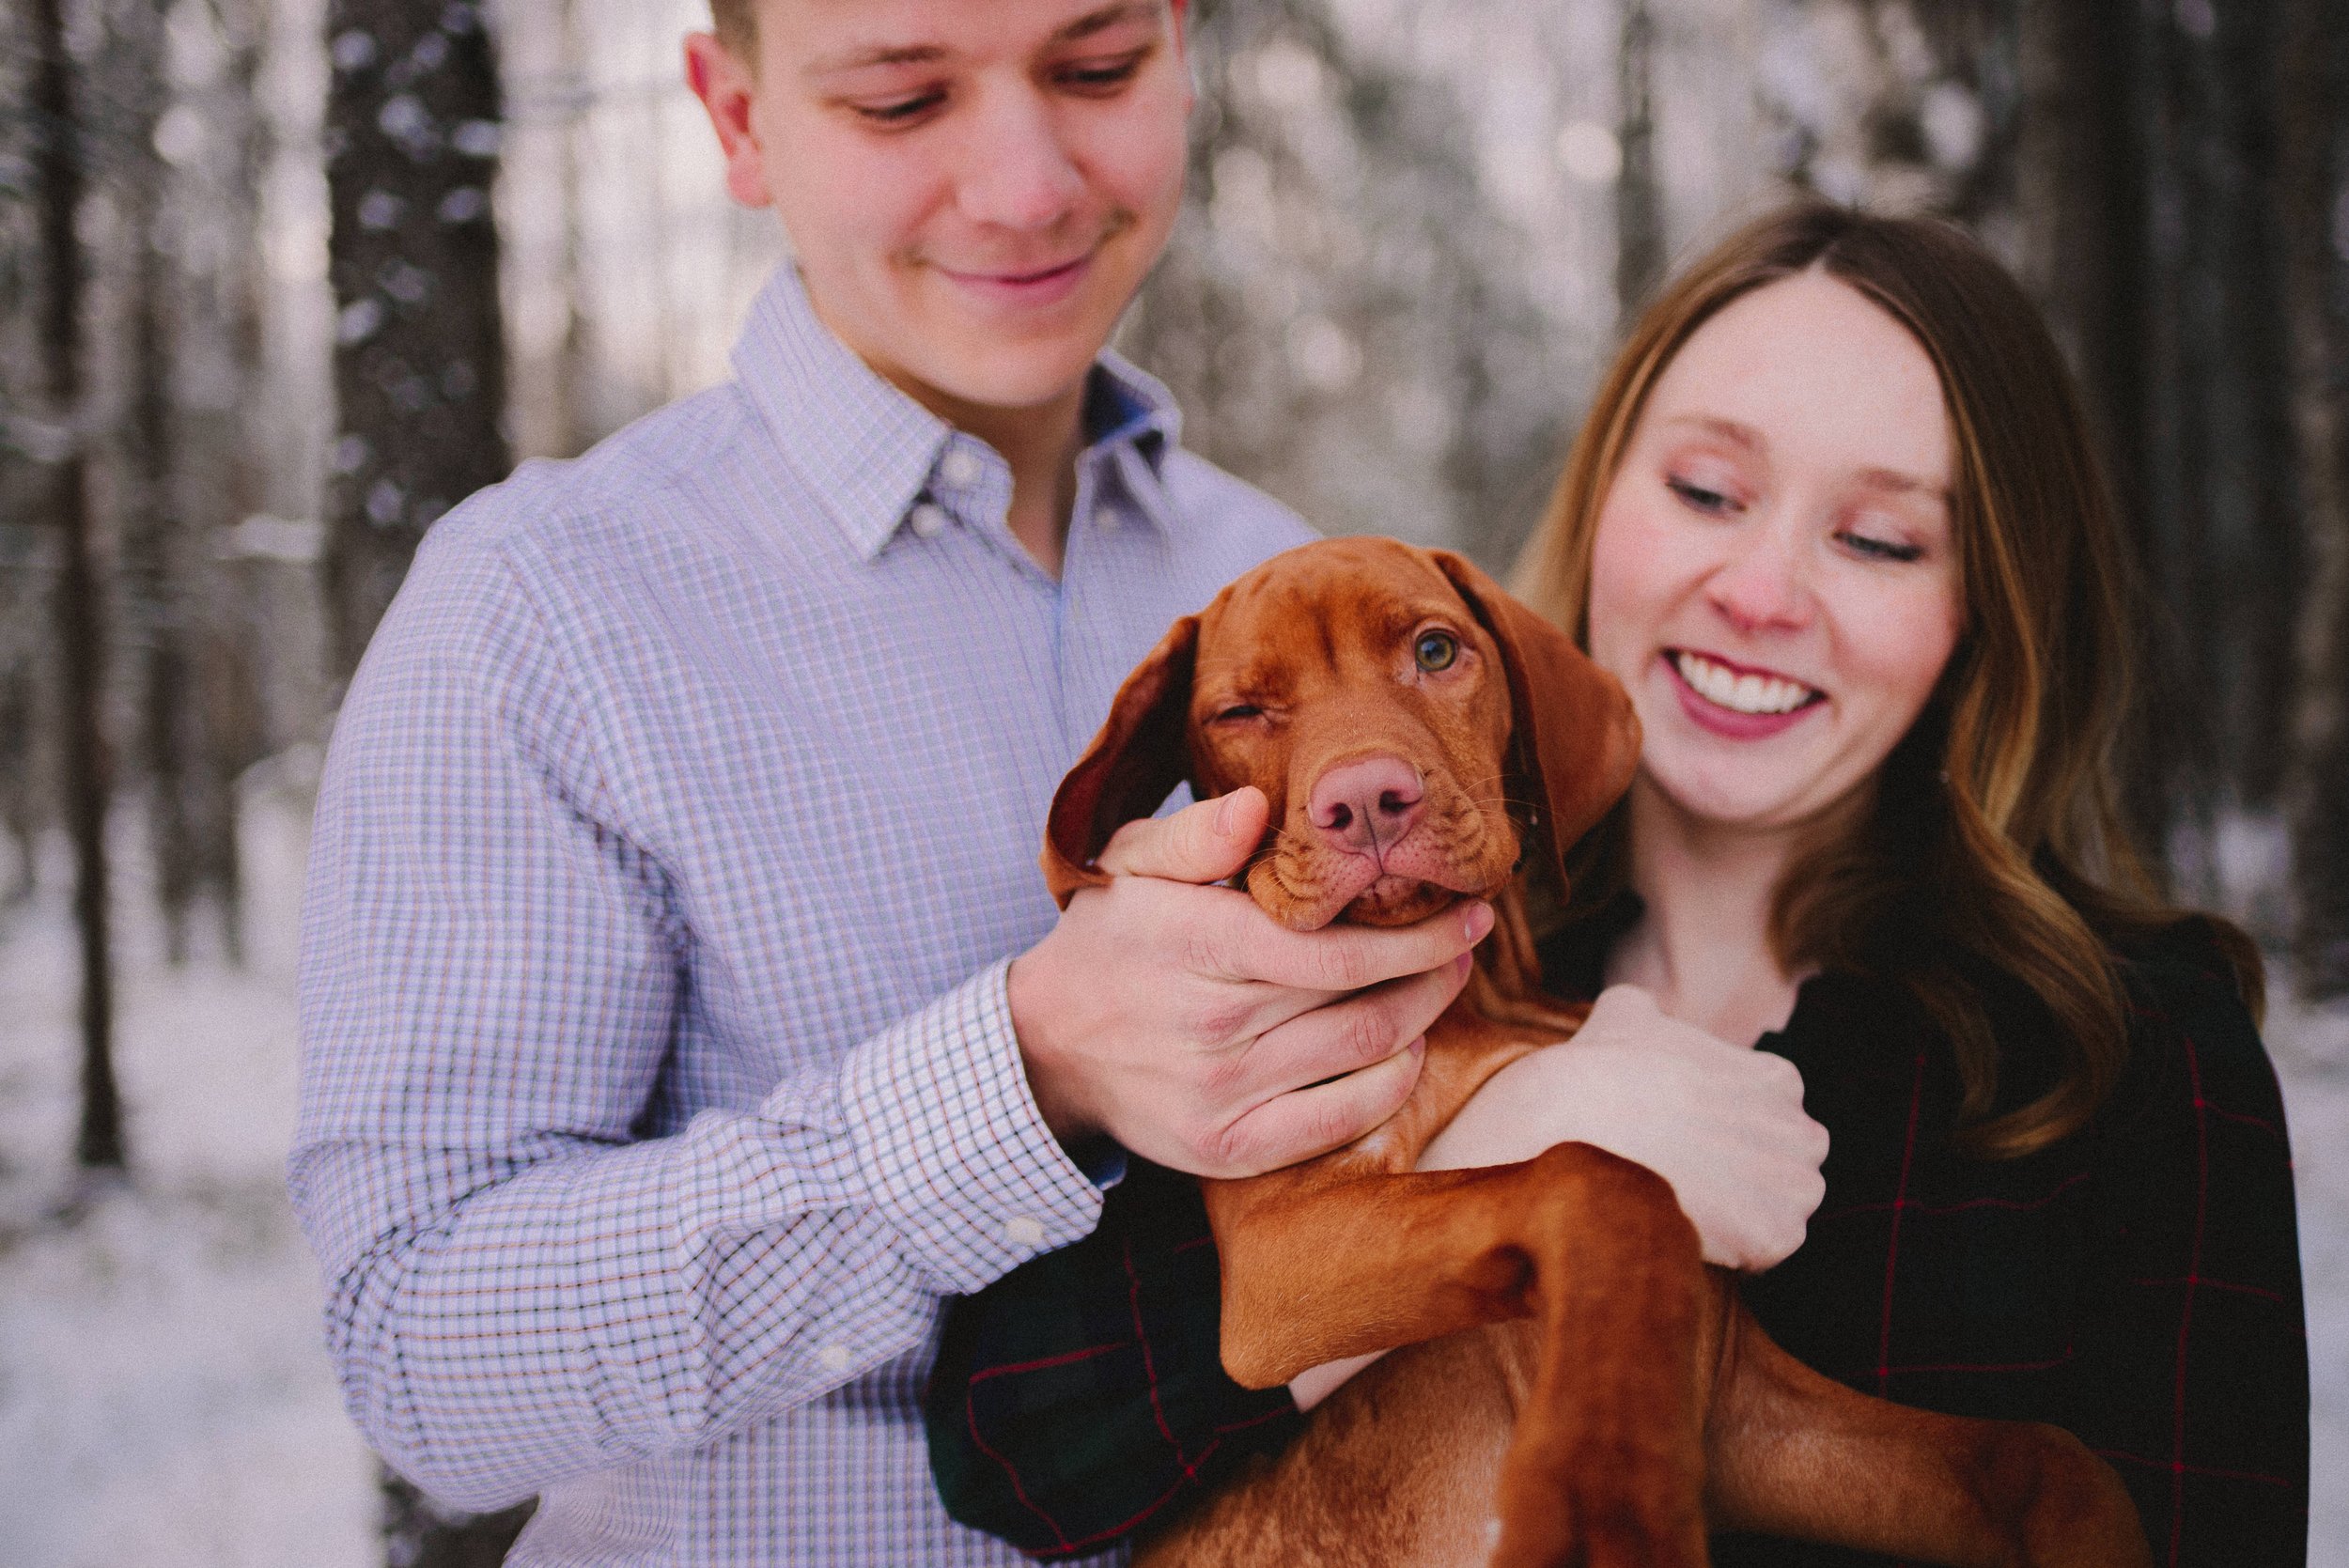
(834, 1357)
(1105, 518)
(1023, 1231)
(929, 519)
(959, 466)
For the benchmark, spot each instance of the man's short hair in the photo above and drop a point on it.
(737, 21)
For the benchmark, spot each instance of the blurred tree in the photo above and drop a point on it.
(1345, 315)
(153, 542)
(60, 152)
(213, 139)
(2314, 182)
(411, 141)
(1639, 217)
(412, 127)
(2157, 242)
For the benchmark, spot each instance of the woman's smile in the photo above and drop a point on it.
(1741, 702)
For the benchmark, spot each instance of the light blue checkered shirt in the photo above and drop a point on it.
(658, 1079)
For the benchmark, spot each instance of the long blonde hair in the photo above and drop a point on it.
(1996, 844)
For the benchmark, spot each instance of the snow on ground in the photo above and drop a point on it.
(165, 1402)
(165, 1399)
(2311, 1052)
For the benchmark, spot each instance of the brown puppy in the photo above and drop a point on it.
(1417, 731)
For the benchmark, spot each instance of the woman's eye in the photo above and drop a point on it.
(1711, 501)
(1238, 711)
(1436, 651)
(1877, 549)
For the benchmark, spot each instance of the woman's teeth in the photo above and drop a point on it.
(1717, 683)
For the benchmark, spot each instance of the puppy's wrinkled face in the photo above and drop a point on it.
(1353, 685)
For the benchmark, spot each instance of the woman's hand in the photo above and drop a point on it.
(1723, 1124)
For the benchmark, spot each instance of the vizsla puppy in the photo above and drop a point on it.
(1418, 732)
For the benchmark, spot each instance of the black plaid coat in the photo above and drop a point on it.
(2138, 1284)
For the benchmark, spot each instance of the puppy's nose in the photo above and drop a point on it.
(1367, 805)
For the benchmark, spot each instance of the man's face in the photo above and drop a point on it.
(974, 188)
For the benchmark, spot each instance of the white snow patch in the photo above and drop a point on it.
(164, 1395)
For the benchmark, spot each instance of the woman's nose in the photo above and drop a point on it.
(1019, 175)
(1765, 584)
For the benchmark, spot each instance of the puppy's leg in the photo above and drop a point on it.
(1795, 1453)
(1607, 1464)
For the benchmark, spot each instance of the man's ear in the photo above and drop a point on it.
(727, 85)
(1575, 740)
(1130, 768)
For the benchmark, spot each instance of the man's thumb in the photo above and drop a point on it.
(1204, 842)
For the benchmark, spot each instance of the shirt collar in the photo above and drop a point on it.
(868, 451)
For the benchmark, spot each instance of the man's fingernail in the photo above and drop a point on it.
(1480, 921)
(1224, 814)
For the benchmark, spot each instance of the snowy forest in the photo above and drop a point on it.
(281, 281)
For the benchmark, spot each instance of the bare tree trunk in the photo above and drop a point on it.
(1638, 202)
(411, 132)
(79, 607)
(2090, 207)
(222, 280)
(411, 135)
(2314, 180)
(152, 564)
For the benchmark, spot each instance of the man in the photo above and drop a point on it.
(684, 1017)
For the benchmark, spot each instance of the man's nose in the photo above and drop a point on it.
(1019, 175)
(1364, 807)
(1766, 581)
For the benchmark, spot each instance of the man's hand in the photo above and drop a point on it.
(1173, 1016)
(1723, 1124)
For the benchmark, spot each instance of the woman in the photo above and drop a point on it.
(1834, 522)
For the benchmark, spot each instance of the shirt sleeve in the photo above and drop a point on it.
(521, 1287)
(1083, 1397)
(2193, 1376)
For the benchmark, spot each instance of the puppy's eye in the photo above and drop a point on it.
(1436, 651)
(1242, 710)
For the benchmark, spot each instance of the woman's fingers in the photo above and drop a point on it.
(1724, 1125)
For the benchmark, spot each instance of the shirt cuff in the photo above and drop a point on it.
(952, 1145)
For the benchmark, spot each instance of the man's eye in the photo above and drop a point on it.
(1238, 711)
(1710, 502)
(899, 111)
(1436, 651)
(1100, 75)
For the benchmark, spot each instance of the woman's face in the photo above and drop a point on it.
(1774, 580)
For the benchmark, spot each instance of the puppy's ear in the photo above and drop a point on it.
(1576, 741)
(1130, 768)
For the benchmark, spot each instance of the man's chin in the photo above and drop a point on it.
(975, 368)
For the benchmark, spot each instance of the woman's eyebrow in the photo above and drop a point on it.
(1899, 482)
(1728, 429)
